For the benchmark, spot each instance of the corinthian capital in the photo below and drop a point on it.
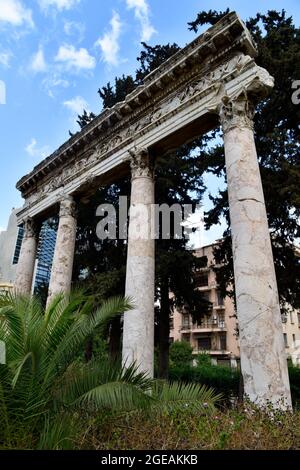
(67, 207)
(236, 112)
(30, 228)
(141, 164)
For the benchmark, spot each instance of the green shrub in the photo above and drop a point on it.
(181, 353)
(221, 379)
(294, 374)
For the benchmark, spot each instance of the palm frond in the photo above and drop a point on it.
(178, 396)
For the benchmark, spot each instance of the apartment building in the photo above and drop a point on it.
(216, 333)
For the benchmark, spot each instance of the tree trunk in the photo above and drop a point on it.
(115, 339)
(164, 332)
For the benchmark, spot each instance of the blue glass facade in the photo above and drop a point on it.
(45, 255)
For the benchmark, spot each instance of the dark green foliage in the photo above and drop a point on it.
(181, 354)
(294, 374)
(277, 136)
(204, 17)
(152, 57)
(123, 86)
(225, 380)
(222, 379)
(85, 118)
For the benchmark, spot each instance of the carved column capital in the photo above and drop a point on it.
(141, 164)
(236, 112)
(30, 228)
(67, 207)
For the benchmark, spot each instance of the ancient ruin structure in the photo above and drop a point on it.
(213, 80)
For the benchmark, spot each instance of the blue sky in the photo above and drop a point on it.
(55, 54)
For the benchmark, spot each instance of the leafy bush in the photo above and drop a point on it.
(181, 353)
(222, 379)
(294, 374)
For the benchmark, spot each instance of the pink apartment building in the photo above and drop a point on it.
(215, 333)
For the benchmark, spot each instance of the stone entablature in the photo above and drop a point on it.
(190, 84)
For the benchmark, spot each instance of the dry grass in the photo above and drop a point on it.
(228, 429)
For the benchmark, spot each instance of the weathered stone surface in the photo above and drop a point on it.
(138, 329)
(25, 267)
(61, 273)
(263, 360)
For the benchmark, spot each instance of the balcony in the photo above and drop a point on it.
(209, 325)
(212, 352)
(186, 327)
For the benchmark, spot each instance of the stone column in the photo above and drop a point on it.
(26, 263)
(263, 359)
(138, 329)
(62, 267)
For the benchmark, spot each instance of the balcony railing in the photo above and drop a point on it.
(210, 324)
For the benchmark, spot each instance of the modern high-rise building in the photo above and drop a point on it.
(10, 247)
(45, 255)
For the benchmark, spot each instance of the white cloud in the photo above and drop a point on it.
(77, 105)
(5, 58)
(54, 81)
(37, 152)
(15, 13)
(142, 13)
(72, 58)
(75, 29)
(109, 43)
(59, 4)
(38, 63)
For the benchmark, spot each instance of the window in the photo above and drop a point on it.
(202, 279)
(185, 320)
(298, 315)
(18, 245)
(291, 317)
(221, 321)
(220, 299)
(204, 343)
(294, 340)
(285, 340)
(171, 323)
(223, 343)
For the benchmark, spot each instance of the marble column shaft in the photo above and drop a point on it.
(138, 330)
(62, 267)
(26, 263)
(263, 358)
